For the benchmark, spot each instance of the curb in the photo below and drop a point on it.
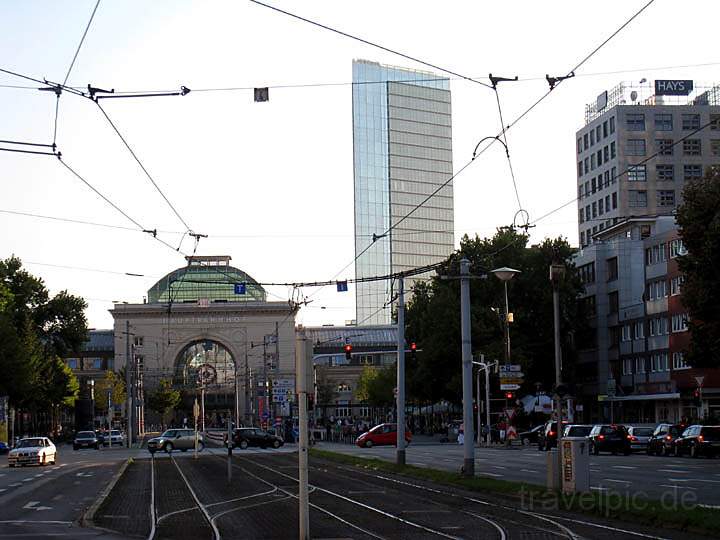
(87, 518)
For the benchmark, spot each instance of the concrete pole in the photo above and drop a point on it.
(229, 450)
(128, 385)
(507, 325)
(555, 277)
(487, 402)
(248, 410)
(302, 355)
(477, 400)
(202, 407)
(400, 443)
(469, 443)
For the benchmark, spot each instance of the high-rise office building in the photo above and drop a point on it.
(402, 150)
(622, 129)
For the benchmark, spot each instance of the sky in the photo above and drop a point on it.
(271, 184)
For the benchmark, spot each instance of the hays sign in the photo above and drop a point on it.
(669, 87)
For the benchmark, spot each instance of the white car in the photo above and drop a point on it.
(33, 451)
(114, 437)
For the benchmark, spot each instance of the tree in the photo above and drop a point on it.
(326, 391)
(433, 314)
(699, 220)
(376, 385)
(164, 399)
(111, 384)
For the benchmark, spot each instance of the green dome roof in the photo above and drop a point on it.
(210, 278)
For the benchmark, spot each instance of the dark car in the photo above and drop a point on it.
(382, 434)
(609, 438)
(530, 437)
(547, 436)
(86, 439)
(662, 439)
(699, 441)
(244, 437)
(577, 430)
(4, 448)
(639, 437)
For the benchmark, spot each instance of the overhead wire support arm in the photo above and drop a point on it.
(184, 91)
(553, 81)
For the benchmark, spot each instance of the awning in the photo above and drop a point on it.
(641, 397)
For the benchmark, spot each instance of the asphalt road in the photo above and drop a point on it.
(692, 480)
(48, 501)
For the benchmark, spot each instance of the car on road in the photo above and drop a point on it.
(33, 451)
(611, 438)
(639, 437)
(577, 430)
(175, 439)
(382, 434)
(662, 439)
(113, 437)
(244, 437)
(530, 437)
(698, 441)
(4, 448)
(86, 439)
(547, 438)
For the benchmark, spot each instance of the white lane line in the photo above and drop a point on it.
(606, 527)
(674, 471)
(489, 474)
(598, 488)
(16, 484)
(528, 470)
(675, 486)
(499, 467)
(618, 481)
(28, 479)
(3, 489)
(623, 467)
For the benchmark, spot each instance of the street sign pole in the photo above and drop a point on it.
(468, 442)
(400, 442)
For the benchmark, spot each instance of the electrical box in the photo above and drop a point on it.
(575, 456)
(304, 376)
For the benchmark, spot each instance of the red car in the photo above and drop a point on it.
(383, 434)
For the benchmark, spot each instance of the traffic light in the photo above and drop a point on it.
(697, 397)
(509, 395)
(348, 351)
(413, 350)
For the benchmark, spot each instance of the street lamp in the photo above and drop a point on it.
(505, 274)
(557, 271)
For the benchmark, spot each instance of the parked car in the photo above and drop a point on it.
(101, 435)
(86, 439)
(4, 448)
(639, 437)
(530, 437)
(180, 439)
(382, 434)
(662, 439)
(244, 437)
(698, 441)
(609, 438)
(577, 430)
(33, 451)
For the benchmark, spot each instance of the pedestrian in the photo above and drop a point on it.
(461, 434)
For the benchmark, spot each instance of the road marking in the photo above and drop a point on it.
(489, 474)
(623, 467)
(674, 471)
(84, 474)
(675, 486)
(367, 491)
(28, 479)
(16, 484)
(599, 488)
(39, 475)
(528, 470)
(703, 480)
(499, 467)
(618, 481)
(33, 505)
(3, 489)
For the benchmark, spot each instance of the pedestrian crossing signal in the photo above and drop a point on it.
(348, 351)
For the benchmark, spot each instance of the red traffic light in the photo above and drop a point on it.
(413, 346)
(509, 395)
(348, 350)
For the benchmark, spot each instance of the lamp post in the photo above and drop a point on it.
(556, 273)
(505, 274)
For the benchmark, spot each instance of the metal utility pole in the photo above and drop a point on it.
(484, 366)
(400, 443)
(556, 273)
(303, 363)
(507, 326)
(477, 400)
(265, 379)
(128, 385)
(469, 443)
(229, 450)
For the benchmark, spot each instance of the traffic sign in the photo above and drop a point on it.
(611, 387)
(510, 367)
(509, 387)
(700, 380)
(511, 380)
(512, 374)
(265, 415)
(240, 288)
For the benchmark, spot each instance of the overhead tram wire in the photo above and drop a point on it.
(72, 64)
(372, 44)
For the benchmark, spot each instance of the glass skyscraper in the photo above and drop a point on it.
(402, 151)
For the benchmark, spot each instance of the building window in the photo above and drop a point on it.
(592, 162)
(637, 173)
(665, 173)
(627, 366)
(580, 168)
(656, 290)
(663, 122)
(679, 361)
(599, 182)
(715, 122)
(677, 248)
(585, 139)
(692, 172)
(582, 235)
(666, 197)
(612, 269)
(626, 333)
(639, 330)
(586, 162)
(367, 360)
(635, 147)
(659, 362)
(599, 158)
(655, 254)
(613, 174)
(640, 365)
(587, 273)
(613, 150)
(676, 285)
(593, 185)
(581, 216)
(605, 129)
(597, 133)
(635, 121)
(594, 209)
(579, 145)
(612, 125)
(637, 198)
(589, 304)
(587, 213)
(601, 209)
(690, 121)
(613, 302)
(606, 154)
(715, 147)
(587, 188)
(607, 204)
(138, 341)
(614, 200)
(664, 146)
(692, 147)
(679, 322)
(343, 387)
(592, 137)
(72, 363)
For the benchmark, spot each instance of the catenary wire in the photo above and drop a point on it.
(366, 42)
(149, 176)
(507, 149)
